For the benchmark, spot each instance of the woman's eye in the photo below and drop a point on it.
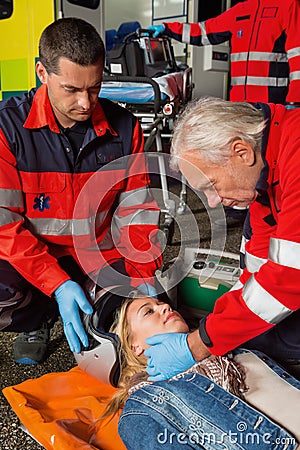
(148, 311)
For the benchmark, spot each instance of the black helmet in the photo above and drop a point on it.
(102, 357)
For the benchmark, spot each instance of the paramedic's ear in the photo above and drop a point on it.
(41, 72)
(244, 152)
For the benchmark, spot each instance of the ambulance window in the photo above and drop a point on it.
(6, 9)
(91, 4)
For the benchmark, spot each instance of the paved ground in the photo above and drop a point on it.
(60, 358)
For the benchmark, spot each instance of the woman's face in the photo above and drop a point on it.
(148, 316)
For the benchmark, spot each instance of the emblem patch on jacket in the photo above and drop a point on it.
(41, 202)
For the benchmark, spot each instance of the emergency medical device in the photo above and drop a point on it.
(198, 278)
(211, 274)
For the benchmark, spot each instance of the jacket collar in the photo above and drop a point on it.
(274, 115)
(262, 183)
(41, 115)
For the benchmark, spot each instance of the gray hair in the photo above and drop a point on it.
(209, 125)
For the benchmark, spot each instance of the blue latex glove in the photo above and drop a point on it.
(168, 355)
(148, 289)
(70, 297)
(158, 29)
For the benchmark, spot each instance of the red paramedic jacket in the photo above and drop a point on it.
(97, 209)
(265, 48)
(268, 289)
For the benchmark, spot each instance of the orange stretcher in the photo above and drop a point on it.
(60, 409)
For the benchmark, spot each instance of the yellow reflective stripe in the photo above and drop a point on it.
(186, 33)
(7, 217)
(263, 304)
(135, 197)
(293, 52)
(295, 75)
(253, 263)
(11, 198)
(204, 38)
(258, 56)
(260, 81)
(285, 253)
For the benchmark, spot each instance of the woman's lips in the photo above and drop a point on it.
(172, 315)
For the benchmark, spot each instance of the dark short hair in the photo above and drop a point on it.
(71, 38)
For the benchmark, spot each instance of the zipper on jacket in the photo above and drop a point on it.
(249, 47)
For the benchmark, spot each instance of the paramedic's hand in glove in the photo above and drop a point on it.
(158, 29)
(168, 355)
(70, 297)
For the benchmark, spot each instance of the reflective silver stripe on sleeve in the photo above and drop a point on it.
(285, 253)
(186, 33)
(258, 56)
(260, 81)
(263, 304)
(253, 263)
(139, 217)
(238, 285)
(243, 243)
(64, 227)
(135, 197)
(11, 198)
(295, 75)
(7, 217)
(204, 38)
(293, 52)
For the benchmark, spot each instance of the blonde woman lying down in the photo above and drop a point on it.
(243, 400)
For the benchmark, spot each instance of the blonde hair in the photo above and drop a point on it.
(209, 125)
(130, 363)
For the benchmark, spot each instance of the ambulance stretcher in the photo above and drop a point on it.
(156, 102)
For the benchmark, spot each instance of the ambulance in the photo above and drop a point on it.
(21, 24)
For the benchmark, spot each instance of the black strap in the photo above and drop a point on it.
(203, 333)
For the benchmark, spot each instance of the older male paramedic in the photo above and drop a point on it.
(71, 167)
(243, 154)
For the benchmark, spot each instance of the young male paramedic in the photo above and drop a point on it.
(244, 155)
(53, 140)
